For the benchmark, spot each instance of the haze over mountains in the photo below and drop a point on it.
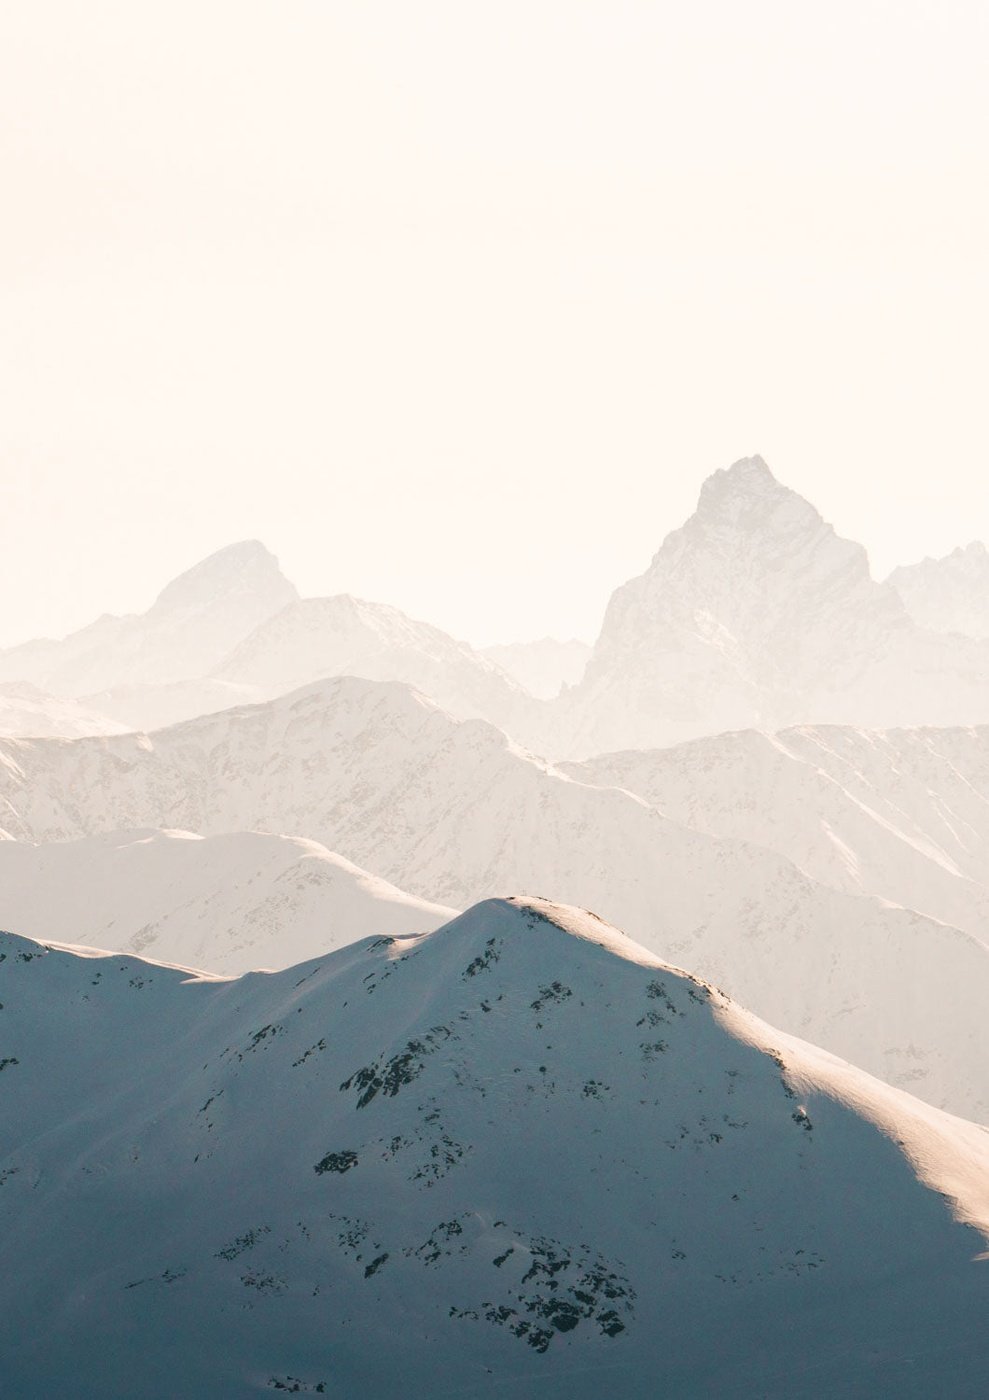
(950, 594)
(901, 814)
(453, 812)
(512, 1144)
(544, 667)
(230, 903)
(345, 1179)
(195, 621)
(754, 614)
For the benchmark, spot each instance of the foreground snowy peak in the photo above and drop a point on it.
(756, 613)
(195, 621)
(949, 594)
(345, 1179)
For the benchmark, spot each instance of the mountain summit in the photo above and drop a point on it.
(195, 620)
(345, 1179)
(756, 613)
(246, 571)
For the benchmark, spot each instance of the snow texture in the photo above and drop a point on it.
(519, 1156)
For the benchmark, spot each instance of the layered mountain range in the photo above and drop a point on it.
(379, 1148)
(901, 814)
(192, 625)
(345, 1179)
(453, 812)
(229, 903)
(754, 614)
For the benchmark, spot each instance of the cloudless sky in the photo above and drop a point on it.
(455, 305)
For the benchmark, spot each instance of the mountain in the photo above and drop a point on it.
(315, 638)
(227, 903)
(345, 1179)
(149, 707)
(755, 614)
(195, 621)
(543, 668)
(902, 814)
(949, 594)
(454, 812)
(27, 710)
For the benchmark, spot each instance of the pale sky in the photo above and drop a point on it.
(455, 305)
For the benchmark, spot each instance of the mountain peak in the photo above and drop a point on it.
(749, 490)
(244, 567)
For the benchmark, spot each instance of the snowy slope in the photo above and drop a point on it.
(756, 614)
(902, 814)
(194, 622)
(452, 812)
(543, 667)
(949, 594)
(226, 903)
(150, 707)
(345, 1179)
(315, 638)
(25, 709)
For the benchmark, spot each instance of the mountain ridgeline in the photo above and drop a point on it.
(520, 1156)
(754, 614)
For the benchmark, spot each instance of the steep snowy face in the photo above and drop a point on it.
(321, 637)
(227, 904)
(543, 668)
(195, 621)
(949, 594)
(756, 613)
(453, 813)
(346, 1179)
(902, 814)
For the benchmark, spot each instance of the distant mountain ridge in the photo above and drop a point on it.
(949, 594)
(753, 614)
(226, 904)
(191, 626)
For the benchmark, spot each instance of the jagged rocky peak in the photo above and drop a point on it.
(246, 569)
(746, 482)
(746, 497)
(754, 556)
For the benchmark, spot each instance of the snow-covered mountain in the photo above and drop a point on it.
(756, 614)
(150, 707)
(543, 667)
(195, 621)
(315, 638)
(949, 594)
(902, 814)
(519, 1157)
(25, 709)
(226, 903)
(454, 812)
